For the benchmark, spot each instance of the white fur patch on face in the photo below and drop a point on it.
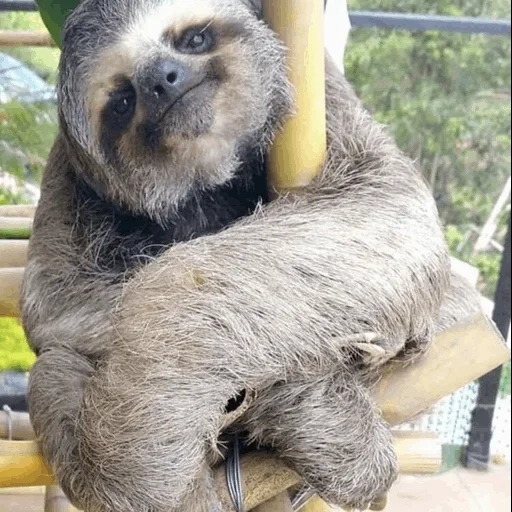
(154, 20)
(143, 36)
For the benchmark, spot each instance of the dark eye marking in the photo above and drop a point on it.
(123, 101)
(116, 116)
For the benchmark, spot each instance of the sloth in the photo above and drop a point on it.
(162, 282)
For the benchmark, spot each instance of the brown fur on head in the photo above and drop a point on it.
(153, 115)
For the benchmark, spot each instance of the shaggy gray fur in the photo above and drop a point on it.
(135, 370)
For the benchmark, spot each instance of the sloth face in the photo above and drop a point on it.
(165, 96)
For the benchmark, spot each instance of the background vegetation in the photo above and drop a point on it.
(445, 97)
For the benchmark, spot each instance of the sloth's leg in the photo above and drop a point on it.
(332, 433)
(147, 426)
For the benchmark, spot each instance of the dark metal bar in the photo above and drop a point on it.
(477, 453)
(20, 5)
(430, 22)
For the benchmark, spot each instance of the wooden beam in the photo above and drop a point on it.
(17, 425)
(299, 150)
(15, 227)
(10, 285)
(17, 210)
(280, 503)
(459, 355)
(21, 465)
(13, 253)
(26, 38)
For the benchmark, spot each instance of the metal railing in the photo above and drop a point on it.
(375, 19)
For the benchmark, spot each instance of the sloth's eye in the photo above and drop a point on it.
(122, 106)
(196, 41)
(123, 102)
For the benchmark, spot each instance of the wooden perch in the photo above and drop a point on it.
(17, 424)
(402, 394)
(26, 38)
(299, 150)
(266, 477)
(17, 210)
(15, 227)
(459, 356)
(13, 253)
(10, 284)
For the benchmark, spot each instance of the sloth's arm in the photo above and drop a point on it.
(360, 251)
(278, 295)
(66, 304)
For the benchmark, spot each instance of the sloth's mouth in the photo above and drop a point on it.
(188, 116)
(178, 99)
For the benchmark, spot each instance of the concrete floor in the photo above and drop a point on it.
(456, 491)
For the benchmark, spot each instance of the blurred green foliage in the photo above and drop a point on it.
(54, 15)
(42, 60)
(15, 354)
(446, 99)
(505, 381)
(26, 134)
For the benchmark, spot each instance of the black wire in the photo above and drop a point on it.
(234, 475)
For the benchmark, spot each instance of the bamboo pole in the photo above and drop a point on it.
(13, 253)
(265, 476)
(21, 465)
(55, 500)
(10, 284)
(280, 503)
(17, 210)
(17, 425)
(15, 227)
(26, 38)
(299, 150)
(459, 355)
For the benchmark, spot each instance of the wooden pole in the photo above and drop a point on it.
(280, 503)
(26, 38)
(15, 227)
(21, 465)
(55, 500)
(13, 253)
(17, 425)
(17, 210)
(299, 150)
(458, 356)
(10, 284)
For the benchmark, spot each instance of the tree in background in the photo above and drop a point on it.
(446, 99)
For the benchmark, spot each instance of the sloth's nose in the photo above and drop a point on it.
(164, 83)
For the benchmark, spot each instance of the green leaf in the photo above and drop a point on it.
(54, 14)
